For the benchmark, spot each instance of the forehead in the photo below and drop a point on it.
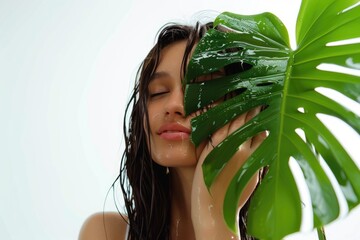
(172, 54)
(170, 61)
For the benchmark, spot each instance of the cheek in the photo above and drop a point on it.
(153, 118)
(154, 114)
(157, 152)
(154, 123)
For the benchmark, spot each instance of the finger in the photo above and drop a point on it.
(258, 139)
(219, 135)
(212, 141)
(237, 122)
(242, 119)
(252, 113)
(232, 126)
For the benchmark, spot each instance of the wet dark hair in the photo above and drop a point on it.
(144, 183)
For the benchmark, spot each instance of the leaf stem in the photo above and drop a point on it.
(321, 233)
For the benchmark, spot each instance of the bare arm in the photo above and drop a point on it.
(103, 226)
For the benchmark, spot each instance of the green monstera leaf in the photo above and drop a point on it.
(286, 81)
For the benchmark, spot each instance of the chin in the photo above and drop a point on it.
(173, 155)
(173, 161)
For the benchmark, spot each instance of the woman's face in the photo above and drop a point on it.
(169, 128)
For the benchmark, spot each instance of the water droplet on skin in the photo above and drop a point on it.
(210, 207)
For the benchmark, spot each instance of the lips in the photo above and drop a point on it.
(173, 131)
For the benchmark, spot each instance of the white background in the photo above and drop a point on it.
(66, 70)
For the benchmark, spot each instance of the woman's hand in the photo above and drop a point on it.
(206, 209)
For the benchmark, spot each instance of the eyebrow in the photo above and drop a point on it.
(160, 74)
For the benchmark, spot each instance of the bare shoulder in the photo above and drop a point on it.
(107, 226)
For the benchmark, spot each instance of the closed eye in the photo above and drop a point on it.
(154, 95)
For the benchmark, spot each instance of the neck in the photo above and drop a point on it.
(181, 185)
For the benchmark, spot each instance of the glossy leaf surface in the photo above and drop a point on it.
(285, 81)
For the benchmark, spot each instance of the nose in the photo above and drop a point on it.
(175, 104)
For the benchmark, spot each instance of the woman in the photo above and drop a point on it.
(161, 176)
